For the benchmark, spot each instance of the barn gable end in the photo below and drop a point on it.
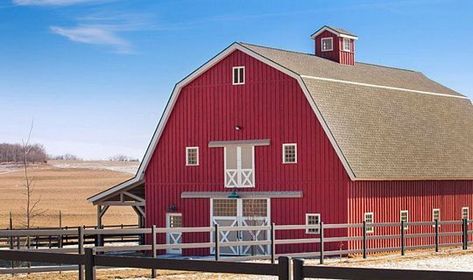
(270, 106)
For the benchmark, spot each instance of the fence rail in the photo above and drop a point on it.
(437, 233)
(285, 269)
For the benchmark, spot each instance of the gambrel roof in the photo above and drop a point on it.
(384, 123)
(389, 123)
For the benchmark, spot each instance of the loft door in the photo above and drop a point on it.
(239, 166)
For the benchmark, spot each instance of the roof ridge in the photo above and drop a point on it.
(313, 55)
(278, 49)
(390, 67)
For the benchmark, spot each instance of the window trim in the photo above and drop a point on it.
(371, 228)
(307, 230)
(406, 227)
(284, 145)
(433, 215)
(187, 156)
(467, 212)
(238, 75)
(349, 45)
(322, 44)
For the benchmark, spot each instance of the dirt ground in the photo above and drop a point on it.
(61, 189)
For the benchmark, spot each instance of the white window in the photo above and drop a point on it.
(192, 156)
(289, 153)
(312, 220)
(327, 44)
(369, 219)
(404, 217)
(435, 215)
(238, 75)
(465, 213)
(346, 44)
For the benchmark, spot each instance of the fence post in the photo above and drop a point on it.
(80, 245)
(321, 243)
(298, 269)
(12, 242)
(402, 238)
(464, 234)
(273, 245)
(60, 228)
(364, 240)
(436, 235)
(153, 248)
(89, 264)
(284, 268)
(217, 242)
(11, 228)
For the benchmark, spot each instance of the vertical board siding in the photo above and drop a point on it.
(270, 105)
(337, 54)
(387, 198)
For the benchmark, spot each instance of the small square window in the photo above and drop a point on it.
(435, 215)
(312, 220)
(327, 44)
(347, 44)
(192, 156)
(465, 213)
(289, 153)
(369, 219)
(404, 217)
(238, 77)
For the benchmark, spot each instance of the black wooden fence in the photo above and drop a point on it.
(285, 269)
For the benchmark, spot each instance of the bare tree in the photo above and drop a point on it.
(32, 210)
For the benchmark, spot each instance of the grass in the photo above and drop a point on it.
(61, 189)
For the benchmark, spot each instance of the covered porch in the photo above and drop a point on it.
(130, 193)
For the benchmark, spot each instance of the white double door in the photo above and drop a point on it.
(240, 213)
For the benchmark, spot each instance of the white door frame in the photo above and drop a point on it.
(173, 237)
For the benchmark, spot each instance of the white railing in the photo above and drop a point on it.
(239, 178)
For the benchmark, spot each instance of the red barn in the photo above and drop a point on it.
(259, 135)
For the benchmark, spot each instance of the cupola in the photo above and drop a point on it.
(335, 44)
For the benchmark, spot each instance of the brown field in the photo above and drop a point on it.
(61, 189)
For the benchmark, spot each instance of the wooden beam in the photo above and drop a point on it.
(103, 210)
(124, 203)
(135, 197)
(140, 211)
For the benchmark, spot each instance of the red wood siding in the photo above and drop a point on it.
(387, 198)
(337, 54)
(270, 105)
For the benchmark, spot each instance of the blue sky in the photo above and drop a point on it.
(94, 75)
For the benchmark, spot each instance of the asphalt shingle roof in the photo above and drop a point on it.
(406, 127)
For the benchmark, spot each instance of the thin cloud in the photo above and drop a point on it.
(53, 2)
(94, 35)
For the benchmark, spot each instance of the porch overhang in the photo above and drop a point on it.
(130, 193)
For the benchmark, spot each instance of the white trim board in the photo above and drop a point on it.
(383, 87)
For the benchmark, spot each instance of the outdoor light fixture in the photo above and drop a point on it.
(172, 208)
(237, 127)
(234, 195)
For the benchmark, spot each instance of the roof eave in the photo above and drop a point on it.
(327, 28)
(135, 181)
